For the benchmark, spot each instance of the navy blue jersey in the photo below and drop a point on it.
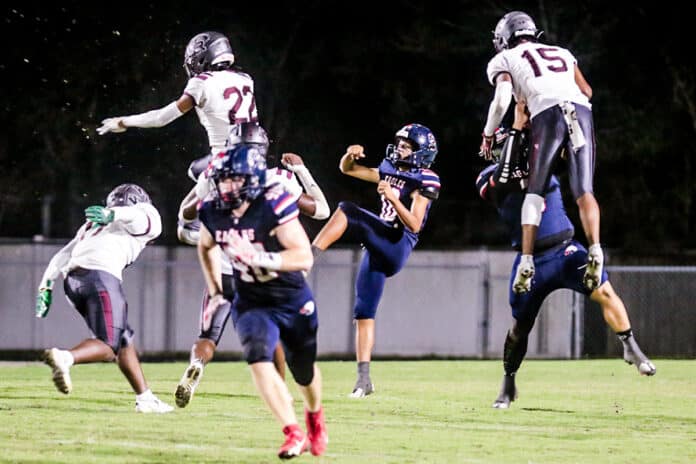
(258, 286)
(425, 181)
(555, 227)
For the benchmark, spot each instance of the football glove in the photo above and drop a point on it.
(99, 215)
(44, 299)
(110, 125)
(486, 146)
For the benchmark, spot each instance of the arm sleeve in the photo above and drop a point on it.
(321, 206)
(140, 220)
(59, 261)
(154, 118)
(499, 105)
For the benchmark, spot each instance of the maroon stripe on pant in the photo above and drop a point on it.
(108, 315)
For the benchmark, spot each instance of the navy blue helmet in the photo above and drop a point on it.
(243, 161)
(207, 51)
(511, 28)
(424, 147)
(127, 195)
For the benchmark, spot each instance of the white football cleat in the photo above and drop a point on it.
(188, 383)
(152, 405)
(60, 366)
(362, 390)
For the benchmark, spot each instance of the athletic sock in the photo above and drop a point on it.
(625, 335)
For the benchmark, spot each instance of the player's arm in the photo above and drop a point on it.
(312, 203)
(349, 165)
(496, 111)
(582, 83)
(58, 261)
(413, 218)
(155, 118)
(209, 259)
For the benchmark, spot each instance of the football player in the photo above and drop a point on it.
(313, 204)
(559, 258)
(222, 95)
(407, 188)
(92, 263)
(257, 227)
(548, 79)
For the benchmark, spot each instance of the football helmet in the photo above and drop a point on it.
(127, 195)
(511, 27)
(248, 133)
(246, 161)
(207, 51)
(424, 147)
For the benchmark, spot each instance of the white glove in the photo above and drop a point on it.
(214, 303)
(110, 125)
(241, 249)
(204, 185)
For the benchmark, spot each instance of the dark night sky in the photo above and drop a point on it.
(329, 74)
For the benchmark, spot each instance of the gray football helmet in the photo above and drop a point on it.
(207, 51)
(127, 195)
(511, 27)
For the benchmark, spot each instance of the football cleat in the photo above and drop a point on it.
(508, 393)
(188, 383)
(295, 443)
(523, 275)
(152, 405)
(362, 389)
(316, 431)
(634, 355)
(595, 266)
(55, 359)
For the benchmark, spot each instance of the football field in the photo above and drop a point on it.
(589, 411)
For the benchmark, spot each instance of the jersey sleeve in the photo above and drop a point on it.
(497, 65)
(195, 89)
(282, 203)
(430, 184)
(140, 220)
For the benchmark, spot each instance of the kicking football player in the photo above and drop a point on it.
(407, 189)
(92, 264)
(313, 204)
(559, 259)
(258, 228)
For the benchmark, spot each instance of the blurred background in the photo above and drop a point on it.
(329, 74)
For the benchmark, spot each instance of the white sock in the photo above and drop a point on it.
(145, 396)
(68, 357)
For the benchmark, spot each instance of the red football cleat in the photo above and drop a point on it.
(295, 442)
(316, 431)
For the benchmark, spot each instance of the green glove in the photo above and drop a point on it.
(99, 215)
(44, 299)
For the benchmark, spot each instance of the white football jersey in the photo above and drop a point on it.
(223, 99)
(112, 247)
(542, 75)
(287, 179)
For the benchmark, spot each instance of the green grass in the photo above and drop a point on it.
(598, 411)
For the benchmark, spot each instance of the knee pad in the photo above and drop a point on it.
(532, 207)
(302, 365)
(303, 374)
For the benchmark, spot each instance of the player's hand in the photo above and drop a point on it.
(204, 185)
(355, 152)
(44, 299)
(214, 303)
(99, 215)
(384, 188)
(240, 248)
(485, 150)
(291, 161)
(111, 125)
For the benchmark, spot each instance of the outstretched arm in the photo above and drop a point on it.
(349, 166)
(312, 203)
(155, 118)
